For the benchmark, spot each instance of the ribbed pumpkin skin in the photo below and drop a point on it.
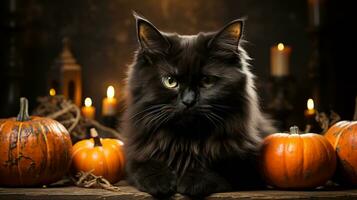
(343, 137)
(106, 160)
(34, 152)
(297, 161)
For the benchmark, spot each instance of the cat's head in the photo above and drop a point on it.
(180, 79)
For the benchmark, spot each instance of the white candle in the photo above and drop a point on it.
(88, 110)
(280, 58)
(110, 103)
(310, 108)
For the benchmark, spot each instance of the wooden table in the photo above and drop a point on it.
(130, 193)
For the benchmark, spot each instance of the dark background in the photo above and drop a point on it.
(103, 40)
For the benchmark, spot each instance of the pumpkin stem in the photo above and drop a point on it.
(24, 110)
(294, 130)
(95, 136)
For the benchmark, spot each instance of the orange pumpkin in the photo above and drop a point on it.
(103, 156)
(33, 150)
(297, 161)
(343, 137)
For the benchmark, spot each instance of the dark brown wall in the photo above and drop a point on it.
(103, 37)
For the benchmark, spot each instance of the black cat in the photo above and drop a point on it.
(193, 122)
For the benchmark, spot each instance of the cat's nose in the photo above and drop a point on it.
(189, 98)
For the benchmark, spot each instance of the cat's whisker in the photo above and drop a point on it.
(219, 118)
(146, 110)
(162, 120)
(215, 107)
(221, 108)
(210, 119)
(148, 114)
(168, 117)
(152, 111)
(214, 118)
(155, 118)
(157, 115)
(219, 123)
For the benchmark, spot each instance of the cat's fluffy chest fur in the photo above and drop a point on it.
(193, 115)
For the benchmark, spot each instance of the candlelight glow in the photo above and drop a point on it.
(52, 92)
(310, 104)
(88, 102)
(280, 46)
(110, 92)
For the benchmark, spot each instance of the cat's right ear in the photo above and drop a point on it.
(149, 37)
(226, 40)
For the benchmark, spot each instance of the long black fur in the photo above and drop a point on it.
(198, 150)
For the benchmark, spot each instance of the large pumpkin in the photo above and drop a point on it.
(297, 161)
(101, 156)
(343, 137)
(33, 150)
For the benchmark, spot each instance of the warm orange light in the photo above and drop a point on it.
(52, 92)
(310, 104)
(88, 110)
(88, 102)
(281, 46)
(110, 92)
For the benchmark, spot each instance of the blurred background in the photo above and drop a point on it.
(98, 39)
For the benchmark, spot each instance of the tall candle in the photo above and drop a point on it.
(110, 103)
(280, 58)
(310, 112)
(88, 110)
(310, 116)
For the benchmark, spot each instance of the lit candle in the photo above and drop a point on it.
(88, 110)
(52, 92)
(310, 112)
(280, 58)
(110, 103)
(310, 115)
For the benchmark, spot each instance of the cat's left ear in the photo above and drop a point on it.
(227, 39)
(149, 37)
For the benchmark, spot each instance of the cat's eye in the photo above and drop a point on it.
(208, 81)
(169, 82)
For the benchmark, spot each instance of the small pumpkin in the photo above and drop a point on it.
(343, 138)
(101, 156)
(33, 150)
(297, 161)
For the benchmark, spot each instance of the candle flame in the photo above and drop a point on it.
(110, 92)
(310, 104)
(52, 92)
(281, 46)
(88, 102)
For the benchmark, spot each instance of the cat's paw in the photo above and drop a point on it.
(197, 183)
(159, 185)
(155, 179)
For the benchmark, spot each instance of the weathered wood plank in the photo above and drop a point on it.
(130, 193)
